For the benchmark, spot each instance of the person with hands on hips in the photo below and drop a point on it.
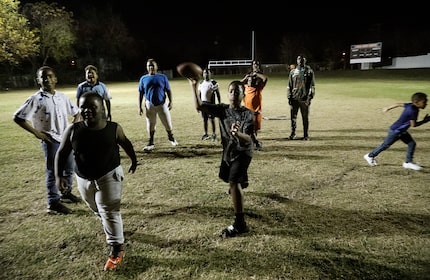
(45, 114)
(95, 143)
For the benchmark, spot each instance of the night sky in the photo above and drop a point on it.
(204, 24)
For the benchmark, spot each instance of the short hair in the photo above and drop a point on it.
(303, 57)
(257, 62)
(151, 60)
(91, 67)
(418, 96)
(92, 94)
(237, 83)
(43, 68)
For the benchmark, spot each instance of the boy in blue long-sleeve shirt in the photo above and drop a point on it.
(399, 130)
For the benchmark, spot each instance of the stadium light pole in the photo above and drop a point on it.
(253, 45)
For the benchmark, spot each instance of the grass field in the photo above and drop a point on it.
(316, 210)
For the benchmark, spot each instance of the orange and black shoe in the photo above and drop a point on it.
(114, 260)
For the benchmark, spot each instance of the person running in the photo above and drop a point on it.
(209, 93)
(45, 114)
(255, 81)
(155, 88)
(95, 143)
(236, 127)
(92, 83)
(399, 130)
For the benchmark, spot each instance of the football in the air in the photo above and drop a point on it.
(189, 70)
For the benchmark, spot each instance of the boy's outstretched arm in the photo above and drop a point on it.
(196, 95)
(396, 105)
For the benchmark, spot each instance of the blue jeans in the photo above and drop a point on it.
(50, 149)
(393, 137)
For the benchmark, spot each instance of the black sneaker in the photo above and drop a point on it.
(58, 207)
(73, 198)
(292, 136)
(232, 231)
(258, 146)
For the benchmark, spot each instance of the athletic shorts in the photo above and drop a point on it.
(236, 171)
(206, 115)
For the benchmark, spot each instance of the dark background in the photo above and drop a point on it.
(199, 31)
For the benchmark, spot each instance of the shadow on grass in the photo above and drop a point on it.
(190, 151)
(333, 243)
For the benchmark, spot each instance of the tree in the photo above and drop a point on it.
(291, 46)
(55, 28)
(17, 41)
(105, 40)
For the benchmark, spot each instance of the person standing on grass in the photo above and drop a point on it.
(208, 89)
(155, 87)
(92, 83)
(255, 81)
(399, 130)
(300, 92)
(95, 143)
(236, 127)
(45, 114)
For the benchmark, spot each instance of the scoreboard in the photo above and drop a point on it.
(364, 53)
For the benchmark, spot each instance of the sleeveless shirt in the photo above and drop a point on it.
(96, 152)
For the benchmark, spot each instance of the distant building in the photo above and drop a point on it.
(419, 61)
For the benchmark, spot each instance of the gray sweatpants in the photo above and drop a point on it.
(103, 196)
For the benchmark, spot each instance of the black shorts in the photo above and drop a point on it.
(236, 171)
(206, 115)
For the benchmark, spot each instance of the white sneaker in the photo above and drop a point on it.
(172, 140)
(149, 148)
(411, 165)
(370, 160)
